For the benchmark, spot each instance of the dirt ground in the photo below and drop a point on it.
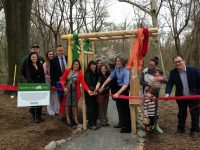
(18, 132)
(168, 140)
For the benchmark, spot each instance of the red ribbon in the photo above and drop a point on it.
(160, 98)
(8, 87)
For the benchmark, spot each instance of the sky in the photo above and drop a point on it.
(119, 11)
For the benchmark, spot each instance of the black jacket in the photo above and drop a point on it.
(193, 78)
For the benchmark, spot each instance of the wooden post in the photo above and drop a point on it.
(82, 58)
(134, 91)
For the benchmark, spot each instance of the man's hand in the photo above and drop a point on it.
(166, 95)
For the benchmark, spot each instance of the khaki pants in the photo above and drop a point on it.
(103, 107)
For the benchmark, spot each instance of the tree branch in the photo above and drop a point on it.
(138, 6)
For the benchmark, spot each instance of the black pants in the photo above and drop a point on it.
(124, 110)
(194, 112)
(92, 109)
(36, 112)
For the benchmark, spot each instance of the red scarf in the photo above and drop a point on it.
(140, 48)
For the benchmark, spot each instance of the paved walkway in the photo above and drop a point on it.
(107, 138)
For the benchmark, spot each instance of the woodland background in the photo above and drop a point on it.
(42, 22)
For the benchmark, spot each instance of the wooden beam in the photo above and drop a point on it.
(110, 33)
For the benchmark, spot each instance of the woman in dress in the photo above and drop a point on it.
(71, 82)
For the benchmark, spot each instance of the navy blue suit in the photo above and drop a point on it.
(193, 78)
(55, 70)
(55, 74)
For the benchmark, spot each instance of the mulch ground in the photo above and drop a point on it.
(168, 140)
(17, 131)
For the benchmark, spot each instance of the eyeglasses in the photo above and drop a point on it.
(177, 62)
(151, 65)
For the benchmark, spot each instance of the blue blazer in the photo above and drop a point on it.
(193, 77)
(55, 70)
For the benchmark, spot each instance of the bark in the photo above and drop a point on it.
(17, 14)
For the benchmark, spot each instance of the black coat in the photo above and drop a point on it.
(193, 77)
(34, 75)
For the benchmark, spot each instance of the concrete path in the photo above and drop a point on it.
(107, 138)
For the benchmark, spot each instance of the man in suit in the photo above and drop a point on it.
(187, 82)
(57, 68)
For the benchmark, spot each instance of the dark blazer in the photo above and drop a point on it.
(55, 70)
(193, 77)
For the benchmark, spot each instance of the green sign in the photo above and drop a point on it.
(33, 94)
(33, 87)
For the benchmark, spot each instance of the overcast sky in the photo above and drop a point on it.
(119, 11)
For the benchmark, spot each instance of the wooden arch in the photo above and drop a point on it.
(113, 35)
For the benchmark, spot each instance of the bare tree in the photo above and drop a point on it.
(49, 16)
(149, 7)
(94, 14)
(180, 16)
(193, 42)
(1, 5)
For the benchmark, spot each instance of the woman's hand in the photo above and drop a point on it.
(91, 93)
(101, 89)
(116, 95)
(96, 91)
(66, 90)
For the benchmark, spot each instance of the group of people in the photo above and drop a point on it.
(54, 70)
(97, 83)
(186, 79)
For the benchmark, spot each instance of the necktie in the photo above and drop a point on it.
(62, 65)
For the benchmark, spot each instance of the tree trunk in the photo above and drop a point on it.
(17, 13)
(71, 17)
(177, 45)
